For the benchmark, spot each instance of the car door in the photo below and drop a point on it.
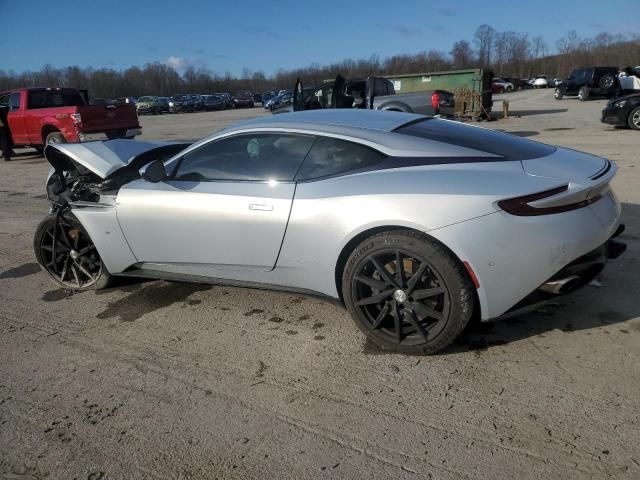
(225, 205)
(573, 82)
(16, 121)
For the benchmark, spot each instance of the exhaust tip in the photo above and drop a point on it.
(561, 286)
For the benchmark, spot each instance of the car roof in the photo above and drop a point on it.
(320, 119)
(372, 128)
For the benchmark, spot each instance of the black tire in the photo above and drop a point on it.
(84, 272)
(55, 138)
(509, 89)
(583, 94)
(558, 95)
(634, 119)
(395, 318)
(607, 81)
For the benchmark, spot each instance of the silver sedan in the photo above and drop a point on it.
(415, 224)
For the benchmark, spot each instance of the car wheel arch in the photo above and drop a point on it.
(46, 130)
(359, 237)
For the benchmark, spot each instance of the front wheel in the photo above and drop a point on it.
(66, 252)
(634, 119)
(558, 94)
(407, 293)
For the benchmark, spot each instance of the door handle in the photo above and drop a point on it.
(261, 206)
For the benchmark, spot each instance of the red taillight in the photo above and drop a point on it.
(76, 118)
(435, 101)
(520, 205)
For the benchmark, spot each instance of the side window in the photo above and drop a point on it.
(331, 156)
(251, 157)
(4, 100)
(14, 102)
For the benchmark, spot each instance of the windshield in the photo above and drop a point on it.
(146, 99)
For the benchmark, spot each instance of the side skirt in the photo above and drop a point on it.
(181, 277)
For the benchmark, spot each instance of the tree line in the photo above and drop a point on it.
(509, 54)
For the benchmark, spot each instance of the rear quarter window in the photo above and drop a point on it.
(509, 147)
(331, 156)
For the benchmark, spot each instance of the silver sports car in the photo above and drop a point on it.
(416, 224)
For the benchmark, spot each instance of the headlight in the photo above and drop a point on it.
(620, 104)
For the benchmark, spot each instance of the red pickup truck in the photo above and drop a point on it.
(38, 116)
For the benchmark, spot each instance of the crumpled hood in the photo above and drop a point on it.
(102, 158)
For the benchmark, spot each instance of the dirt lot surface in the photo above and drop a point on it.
(169, 380)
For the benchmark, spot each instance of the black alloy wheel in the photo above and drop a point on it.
(66, 252)
(407, 293)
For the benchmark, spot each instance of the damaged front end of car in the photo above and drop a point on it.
(80, 242)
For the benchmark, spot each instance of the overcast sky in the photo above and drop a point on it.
(267, 36)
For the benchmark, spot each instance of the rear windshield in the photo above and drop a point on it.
(510, 147)
(45, 98)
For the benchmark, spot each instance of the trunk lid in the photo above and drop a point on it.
(566, 164)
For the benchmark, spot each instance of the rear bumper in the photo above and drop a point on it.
(513, 256)
(97, 136)
(574, 276)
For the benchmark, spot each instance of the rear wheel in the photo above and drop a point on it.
(76, 264)
(634, 119)
(407, 293)
(55, 138)
(583, 94)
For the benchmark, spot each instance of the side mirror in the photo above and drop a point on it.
(153, 172)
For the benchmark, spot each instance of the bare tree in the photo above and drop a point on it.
(483, 39)
(462, 54)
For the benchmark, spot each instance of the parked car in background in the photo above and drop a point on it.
(257, 98)
(228, 100)
(266, 97)
(279, 101)
(40, 116)
(243, 100)
(198, 102)
(518, 83)
(541, 81)
(623, 111)
(150, 105)
(589, 82)
(124, 100)
(180, 104)
(164, 104)
(373, 93)
(498, 85)
(213, 102)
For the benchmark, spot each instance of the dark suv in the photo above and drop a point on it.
(589, 82)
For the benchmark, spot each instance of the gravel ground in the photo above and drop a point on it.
(168, 380)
